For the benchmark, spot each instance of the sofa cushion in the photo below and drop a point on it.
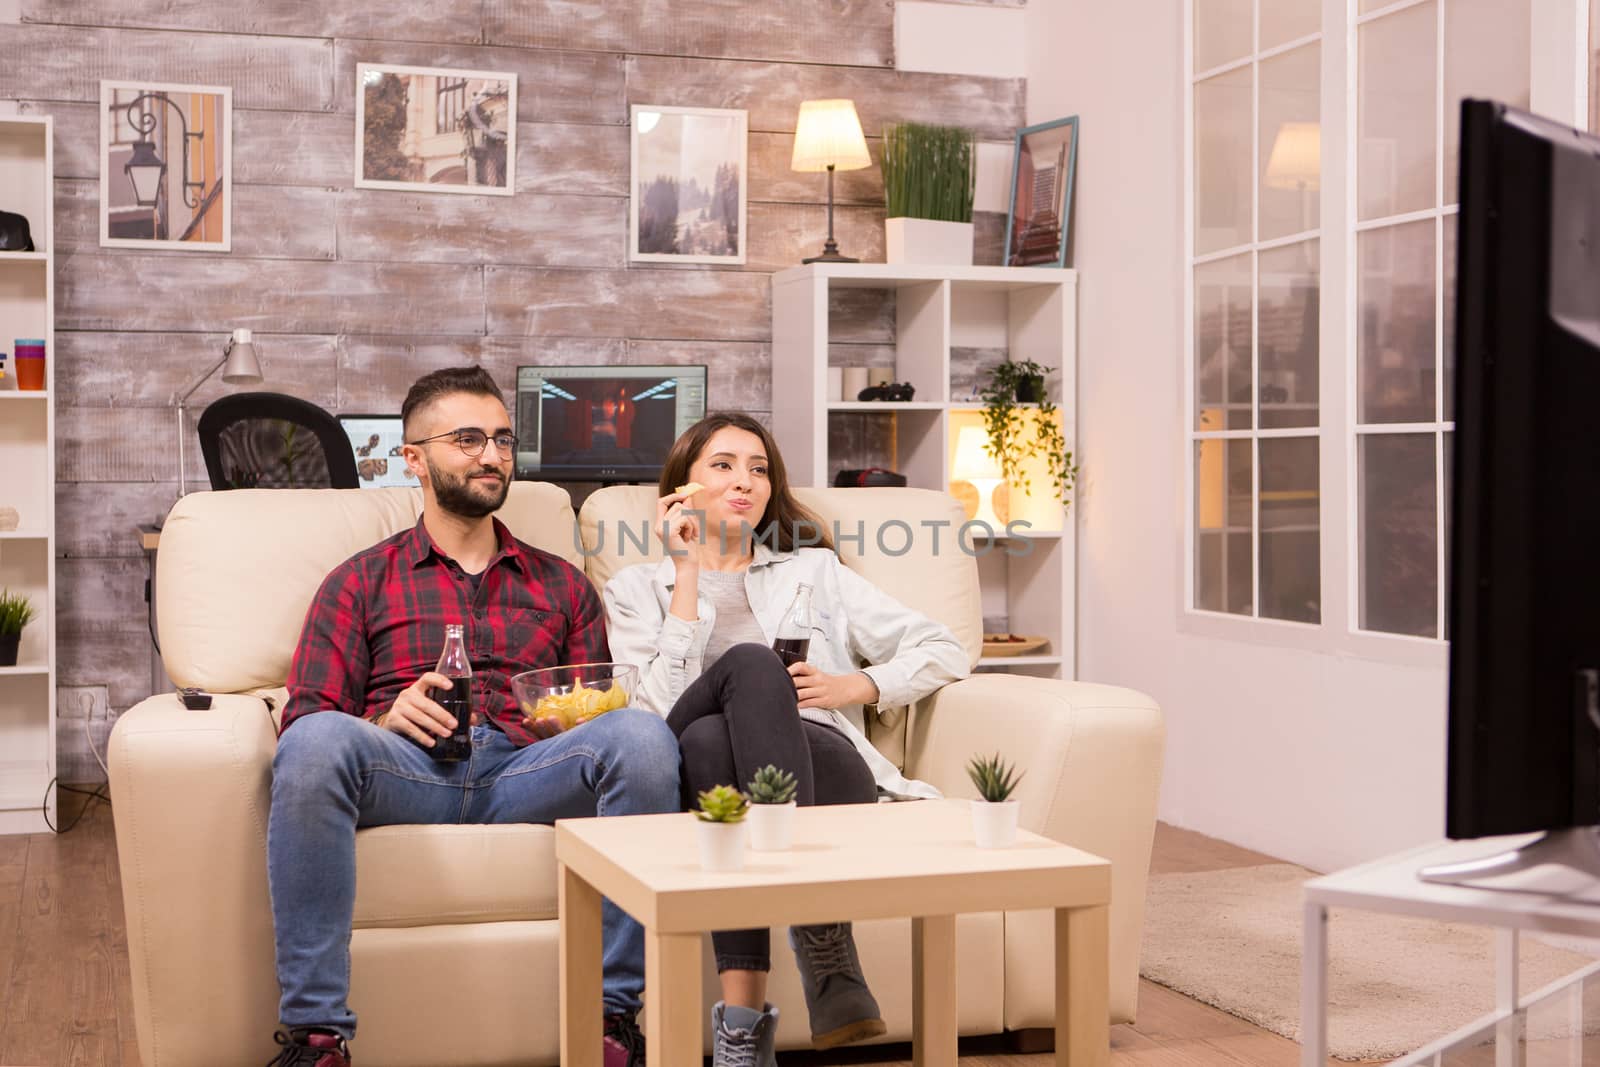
(903, 540)
(439, 875)
(237, 569)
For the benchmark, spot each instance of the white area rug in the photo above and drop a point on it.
(1231, 939)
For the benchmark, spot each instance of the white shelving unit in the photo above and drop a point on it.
(1029, 312)
(28, 483)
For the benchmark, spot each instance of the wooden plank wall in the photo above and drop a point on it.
(353, 293)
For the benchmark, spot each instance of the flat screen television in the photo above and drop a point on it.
(603, 424)
(1524, 592)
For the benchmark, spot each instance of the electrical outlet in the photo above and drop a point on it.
(83, 715)
(83, 702)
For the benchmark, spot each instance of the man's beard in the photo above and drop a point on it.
(462, 496)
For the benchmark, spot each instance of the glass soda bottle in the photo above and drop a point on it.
(457, 700)
(794, 630)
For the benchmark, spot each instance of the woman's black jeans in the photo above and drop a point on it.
(736, 718)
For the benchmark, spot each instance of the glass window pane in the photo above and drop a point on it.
(1283, 21)
(1487, 45)
(1223, 526)
(1222, 161)
(1221, 32)
(1291, 153)
(1291, 530)
(1447, 357)
(1395, 325)
(1399, 538)
(1449, 461)
(1396, 86)
(1222, 344)
(1288, 332)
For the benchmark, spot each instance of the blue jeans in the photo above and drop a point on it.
(335, 773)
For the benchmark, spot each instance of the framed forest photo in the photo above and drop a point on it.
(689, 197)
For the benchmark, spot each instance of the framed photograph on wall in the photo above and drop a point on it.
(689, 185)
(427, 130)
(1042, 168)
(166, 166)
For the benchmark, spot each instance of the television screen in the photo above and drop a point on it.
(376, 441)
(1524, 614)
(611, 424)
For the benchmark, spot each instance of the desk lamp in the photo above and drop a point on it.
(827, 136)
(239, 367)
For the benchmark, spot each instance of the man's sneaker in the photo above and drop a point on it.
(744, 1037)
(842, 1007)
(624, 1044)
(302, 1048)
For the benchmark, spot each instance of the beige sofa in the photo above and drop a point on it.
(454, 948)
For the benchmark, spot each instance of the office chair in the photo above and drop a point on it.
(273, 441)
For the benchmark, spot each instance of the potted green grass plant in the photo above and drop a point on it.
(772, 808)
(994, 813)
(15, 613)
(722, 828)
(928, 177)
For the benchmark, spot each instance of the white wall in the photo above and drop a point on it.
(1318, 758)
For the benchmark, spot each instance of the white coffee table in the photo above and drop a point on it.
(847, 863)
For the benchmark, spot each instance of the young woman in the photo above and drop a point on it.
(701, 623)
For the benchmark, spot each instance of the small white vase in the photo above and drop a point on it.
(924, 241)
(771, 826)
(995, 825)
(721, 845)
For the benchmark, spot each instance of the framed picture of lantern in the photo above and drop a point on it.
(166, 166)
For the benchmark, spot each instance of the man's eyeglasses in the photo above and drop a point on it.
(473, 442)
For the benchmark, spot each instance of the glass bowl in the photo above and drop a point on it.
(576, 693)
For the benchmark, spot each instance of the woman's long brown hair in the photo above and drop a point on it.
(785, 516)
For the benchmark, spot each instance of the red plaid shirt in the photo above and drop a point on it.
(377, 625)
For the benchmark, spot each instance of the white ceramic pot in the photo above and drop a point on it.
(771, 826)
(924, 241)
(721, 845)
(995, 825)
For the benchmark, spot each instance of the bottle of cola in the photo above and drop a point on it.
(457, 700)
(794, 631)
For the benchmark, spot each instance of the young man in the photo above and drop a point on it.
(352, 750)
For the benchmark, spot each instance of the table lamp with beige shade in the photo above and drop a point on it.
(827, 137)
(974, 464)
(1296, 163)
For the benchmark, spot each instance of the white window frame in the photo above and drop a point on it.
(1560, 66)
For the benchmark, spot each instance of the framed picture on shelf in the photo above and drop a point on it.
(427, 130)
(166, 166)
(1043, 164)
(689, 185)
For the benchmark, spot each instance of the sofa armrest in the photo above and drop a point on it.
(191, 794)
(1091, 761)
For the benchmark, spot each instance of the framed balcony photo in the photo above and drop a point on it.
(166, 166)
(1043, 165)
(689, 199)
(427, 130)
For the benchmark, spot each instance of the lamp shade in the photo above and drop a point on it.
(828, 133)
(241, 367)
(973, 460)
(1296, 160)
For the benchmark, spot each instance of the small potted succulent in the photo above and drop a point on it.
(772, 807)
(15, 613)
(721, 828)
(994, 815)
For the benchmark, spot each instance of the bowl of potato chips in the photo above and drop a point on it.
(573, 695)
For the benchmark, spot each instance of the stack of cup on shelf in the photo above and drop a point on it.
(30, 364)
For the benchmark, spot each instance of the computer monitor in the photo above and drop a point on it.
(605, 424)
(376, 441)
(1524, 604)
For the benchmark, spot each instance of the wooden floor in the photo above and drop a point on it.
(65, 998)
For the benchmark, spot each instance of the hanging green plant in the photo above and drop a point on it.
(1010, 443)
